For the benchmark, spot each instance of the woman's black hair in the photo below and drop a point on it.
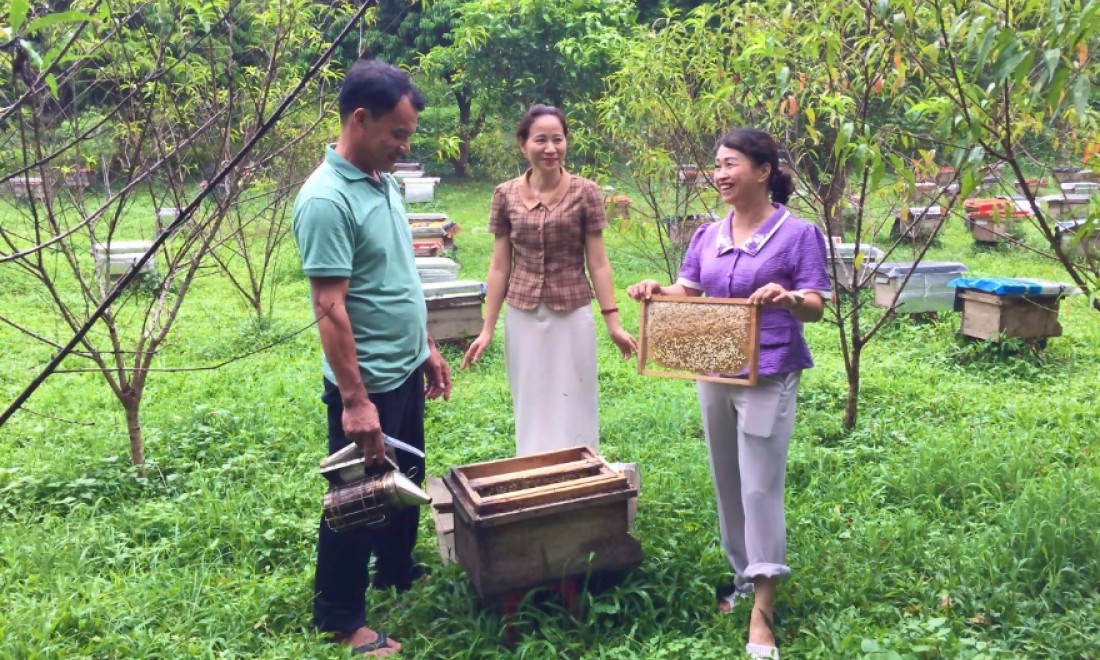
(523, 130)
(761, 148)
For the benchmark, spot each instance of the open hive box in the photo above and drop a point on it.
(528, 521)
(712, 339)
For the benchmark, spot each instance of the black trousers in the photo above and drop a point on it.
(343, 558)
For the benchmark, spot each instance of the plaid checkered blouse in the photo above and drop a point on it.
(548, 259)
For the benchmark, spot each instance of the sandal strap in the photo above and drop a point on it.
(723, 592)
(382, 641)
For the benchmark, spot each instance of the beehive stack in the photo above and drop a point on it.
(989, 218)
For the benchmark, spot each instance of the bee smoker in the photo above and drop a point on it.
(358, 498)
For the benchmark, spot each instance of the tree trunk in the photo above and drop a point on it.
(132, 405)
(465, 132)
(851, 406)
(463, 161)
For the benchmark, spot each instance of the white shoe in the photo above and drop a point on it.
(761, 652)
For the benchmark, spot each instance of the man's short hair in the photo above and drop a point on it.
(378, 87)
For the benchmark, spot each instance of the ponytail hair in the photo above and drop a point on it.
(762, 149)
(781, 185)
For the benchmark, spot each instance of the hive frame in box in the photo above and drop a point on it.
(753, 348)
(541, 519)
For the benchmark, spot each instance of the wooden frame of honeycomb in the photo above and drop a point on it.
(678, 339)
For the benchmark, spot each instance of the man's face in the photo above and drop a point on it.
(383, 140)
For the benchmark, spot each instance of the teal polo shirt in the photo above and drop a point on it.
(348, 225)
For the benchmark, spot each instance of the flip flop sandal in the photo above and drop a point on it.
(730, 594)
(380, 643)
(761, 652)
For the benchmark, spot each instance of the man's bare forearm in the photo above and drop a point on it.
(338, 343)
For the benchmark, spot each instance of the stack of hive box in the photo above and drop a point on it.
(1071, 205)
(418, 188)
(454, 305)
(993, 219)
(432, 233)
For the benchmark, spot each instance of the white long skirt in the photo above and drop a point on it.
(550, 358)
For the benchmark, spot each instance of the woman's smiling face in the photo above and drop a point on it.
(546, 144)
(735, 174)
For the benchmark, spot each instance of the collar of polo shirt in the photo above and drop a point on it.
(344, 168)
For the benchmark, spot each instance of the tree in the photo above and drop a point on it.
(160, 83)
(815, 76)
(505, 55)
(996, 75)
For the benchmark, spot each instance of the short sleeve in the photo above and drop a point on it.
(810, 269)
(691, 269)
(595, 216)
(323, 231)
(499, 223)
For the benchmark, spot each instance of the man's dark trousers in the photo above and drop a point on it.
(342, 577)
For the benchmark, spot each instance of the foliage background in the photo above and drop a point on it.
(957, 519)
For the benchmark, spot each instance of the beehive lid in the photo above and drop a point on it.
(435, 290)
(512, 489)
(121, 247)
(933, 211)
(1069, 198)
(420, 217)
(847, 251)
(436, 269)
(1070, 226)
(901, 269)
(1080, 187)
(1014, 286)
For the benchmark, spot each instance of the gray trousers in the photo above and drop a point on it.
(748, 431)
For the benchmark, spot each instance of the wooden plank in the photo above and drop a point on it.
(466, 491)
(699, 299)
(456, 321)
(552, 493)
(534, 473)
(442, 518)
(726, 380)
(505, 518)
(885, 290)
(469, 303)
(754, 346)
(442, 500)
(643, 343)
(1032, 317)
(981, 314)
(506, 465)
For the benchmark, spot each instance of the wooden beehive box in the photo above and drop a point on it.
(988, 229)
(525, 522)
(917, 223)
(992, 316)
(711, 339)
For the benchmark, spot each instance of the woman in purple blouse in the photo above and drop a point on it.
(763, 253)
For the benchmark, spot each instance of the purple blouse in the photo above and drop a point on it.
(785, 250)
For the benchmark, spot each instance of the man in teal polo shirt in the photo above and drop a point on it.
(379, 362)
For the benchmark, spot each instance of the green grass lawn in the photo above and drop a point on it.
(959, 520)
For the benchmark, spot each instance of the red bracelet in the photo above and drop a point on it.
(613, 310)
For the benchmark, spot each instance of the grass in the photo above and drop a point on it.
(958, 520)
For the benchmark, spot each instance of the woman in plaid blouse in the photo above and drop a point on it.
(548, 225)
